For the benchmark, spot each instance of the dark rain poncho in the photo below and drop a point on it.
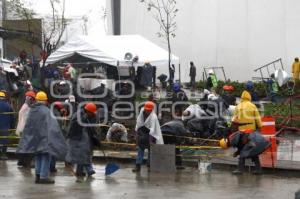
(256, 144)
(42, 134)
(174, 127)
(79, 140)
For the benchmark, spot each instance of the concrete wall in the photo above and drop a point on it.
(237, 34)
(13, 47)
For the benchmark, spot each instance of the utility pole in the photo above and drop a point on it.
(2, 17)
(116, 16)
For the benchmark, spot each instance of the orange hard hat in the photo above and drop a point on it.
(91, 107)
(30, 94)
(149, 106)
(228, 88)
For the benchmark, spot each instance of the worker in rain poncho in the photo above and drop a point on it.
(296, 69)
(148, 132)
(196, 122)
(6, 123)
(43, 138)
(117, 133)
(25, 159)
(212, 81)
(81, 140)
(247, 140)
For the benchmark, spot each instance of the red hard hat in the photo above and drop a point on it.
(149, 106)
(30, 94)
(58, 105)
(91, 107)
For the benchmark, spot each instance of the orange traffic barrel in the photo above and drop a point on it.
(269, 157)
(268, 125)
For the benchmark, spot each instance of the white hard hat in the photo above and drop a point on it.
(206, 92)
(212, 97)
(62, 83)
(211, 71)
(72, 98)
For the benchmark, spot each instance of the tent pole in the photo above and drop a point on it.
(118, 64)
(179, 73)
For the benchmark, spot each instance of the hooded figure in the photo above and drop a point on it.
(246, 114)
(296, 69)
(248, 141)
(117, 133)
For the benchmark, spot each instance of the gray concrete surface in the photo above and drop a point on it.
(19, 183)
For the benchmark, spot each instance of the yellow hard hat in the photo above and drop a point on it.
(224, 143)
(2, 94)
(41, 96)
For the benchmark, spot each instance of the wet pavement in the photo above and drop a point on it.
(19, 183)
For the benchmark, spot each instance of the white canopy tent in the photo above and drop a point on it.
(112, 49)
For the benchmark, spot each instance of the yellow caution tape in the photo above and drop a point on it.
(10, 137)
(192, 138)
(9, 113)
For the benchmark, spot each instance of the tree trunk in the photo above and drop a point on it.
(169, 46)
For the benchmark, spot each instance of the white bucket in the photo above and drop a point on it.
(204, 167)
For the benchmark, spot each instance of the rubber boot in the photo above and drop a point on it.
(45, 181)
(241, 166)
(37, 178)
(137, 168)
(3, 152)
(258, 170)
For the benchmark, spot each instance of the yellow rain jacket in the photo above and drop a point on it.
(296, 67)
(296, 70)
(246, 114)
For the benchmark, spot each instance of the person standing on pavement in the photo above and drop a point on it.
(6, 123)
(81, 140)
(148, 132)
(43, 138)
(25, 159)
(296, 69)
(193, 74)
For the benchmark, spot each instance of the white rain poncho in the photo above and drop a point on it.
(117, 132)
(23, 115)
(152, 124)
(195, 111)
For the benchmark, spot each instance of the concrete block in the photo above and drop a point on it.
(162, 158)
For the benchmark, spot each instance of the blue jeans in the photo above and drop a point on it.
(140, 156)
(87, 167)
(52, 163)
(42, 165)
